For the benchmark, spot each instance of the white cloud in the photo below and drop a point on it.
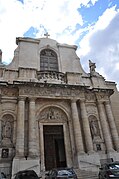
(101, 45)
(60, 19)
(53, 15)
(101, 24)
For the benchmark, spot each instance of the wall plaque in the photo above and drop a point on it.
(5, 153)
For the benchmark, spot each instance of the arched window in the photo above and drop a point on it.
(48, 60)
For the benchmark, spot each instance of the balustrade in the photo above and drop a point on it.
(51, 75)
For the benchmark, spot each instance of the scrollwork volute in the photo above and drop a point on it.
(52, 114)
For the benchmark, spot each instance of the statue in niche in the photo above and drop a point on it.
(6, 133)
(94, 128)
(7, 130)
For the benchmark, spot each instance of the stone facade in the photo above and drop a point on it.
(53, 113)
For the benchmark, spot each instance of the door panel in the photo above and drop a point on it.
(54, 147)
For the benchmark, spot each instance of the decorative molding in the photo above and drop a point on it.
(91, 109)
(90, 96)
(11, 92)
(51, 91)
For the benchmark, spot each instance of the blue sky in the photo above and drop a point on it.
(92, 25)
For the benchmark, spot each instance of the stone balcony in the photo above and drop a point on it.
(51, 76)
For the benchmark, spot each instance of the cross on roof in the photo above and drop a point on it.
(46, 34)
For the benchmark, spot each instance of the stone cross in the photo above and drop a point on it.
(46, 34)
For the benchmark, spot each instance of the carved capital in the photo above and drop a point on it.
(107, 102)
(74, 100)
(82, 101)
(21, 98)
(100, 102)
(32, 99)
(102, 96)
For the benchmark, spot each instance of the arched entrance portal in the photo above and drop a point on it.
(54, 149)
(55, 146)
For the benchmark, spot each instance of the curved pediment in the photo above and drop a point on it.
(52, 114)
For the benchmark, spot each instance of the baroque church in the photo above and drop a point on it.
(53, 113)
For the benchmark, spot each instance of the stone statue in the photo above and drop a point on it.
(94, 128)
(7, 130)
(92, 67)
(6, 133)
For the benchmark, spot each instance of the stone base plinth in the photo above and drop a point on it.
(23, 164)
(92, 162)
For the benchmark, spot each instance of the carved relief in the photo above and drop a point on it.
(51, 91)
(91, 110)
(9, 92)
(8, 104)
(7, 130)
(102, 96)
(90, 97)
(52, 114)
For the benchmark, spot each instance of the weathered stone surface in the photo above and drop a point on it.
(84, 105)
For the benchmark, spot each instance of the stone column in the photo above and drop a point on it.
(0, 119)
(20, 128)
(77, 128)
(104, 125)
(42, 148)
(0, 131)
(14, 131)
(112, 125)
(86, 128)
(33, 152)
(72, 143)
(67, 145)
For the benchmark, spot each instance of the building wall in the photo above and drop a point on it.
(83, 103)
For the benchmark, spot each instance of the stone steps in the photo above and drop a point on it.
(83, 174)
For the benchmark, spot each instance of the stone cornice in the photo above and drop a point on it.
(103, 90)
(50, 90)
(26, 39)
(39, 84)
(67, 46)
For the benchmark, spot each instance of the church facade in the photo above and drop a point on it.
(53, 113)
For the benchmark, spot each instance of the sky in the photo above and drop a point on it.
(92, 25)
